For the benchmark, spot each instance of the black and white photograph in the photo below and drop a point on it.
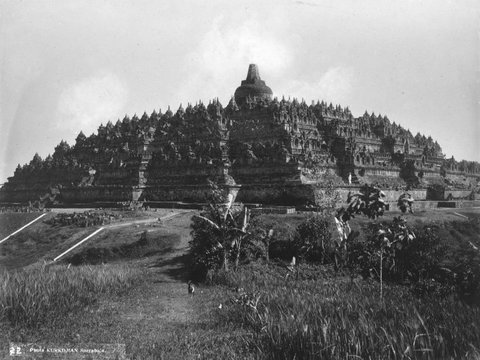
(245, 179)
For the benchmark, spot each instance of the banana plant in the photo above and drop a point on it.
(228, 235)
(241, 235)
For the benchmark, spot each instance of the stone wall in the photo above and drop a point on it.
(21, 195)
(393, 172)
(183, 175)
(321, 175)
(461, 178)
(266, 174)
(457, 194)
(390, 195)
(184, 193)
(288, 194)
(96, 193)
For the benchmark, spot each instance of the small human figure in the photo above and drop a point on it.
(291, 267)
(191, 288)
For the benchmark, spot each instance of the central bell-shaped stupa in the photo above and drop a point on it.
(253, 86)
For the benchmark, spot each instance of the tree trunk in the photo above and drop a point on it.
(381, 275)
(322, 255)
(225, 260)
(267, 251)
(237, 255)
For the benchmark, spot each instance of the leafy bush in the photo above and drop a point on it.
(275, 234)
(407, 173)
(427, 262)
(314, 241)
(204, 249)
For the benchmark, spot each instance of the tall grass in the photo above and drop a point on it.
(322, 317)
(35, 297)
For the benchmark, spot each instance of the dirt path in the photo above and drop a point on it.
(149, 315)
(166, 281)
(151, 319)
(145, 221)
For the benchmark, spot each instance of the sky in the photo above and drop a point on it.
(67, 66)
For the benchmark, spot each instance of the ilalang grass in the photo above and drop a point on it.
(320, 316)
(37, 297)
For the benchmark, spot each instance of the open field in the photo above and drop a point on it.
(140, 298)
(321, 315)
(41, 241)
(104, 312)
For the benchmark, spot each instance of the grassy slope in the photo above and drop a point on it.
(9, 222)
(157, 320)
(457, 226)
(42, 241)
(145, 318)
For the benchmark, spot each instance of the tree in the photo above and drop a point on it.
(386, 239)
(407, 173)
(405, 202)
(369, 201)
(215, 232)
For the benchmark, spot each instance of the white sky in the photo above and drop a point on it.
(67, 66)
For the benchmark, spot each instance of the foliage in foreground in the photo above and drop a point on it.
(424, 260)
(218, 233)
(36, 297)
(328, 317)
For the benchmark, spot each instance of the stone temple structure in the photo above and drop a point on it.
(270, 150)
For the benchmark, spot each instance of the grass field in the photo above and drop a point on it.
(59, 303)
(324, 316)
(139, 298)
(45, 296)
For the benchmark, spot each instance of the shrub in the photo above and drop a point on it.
(275, 235)
(396, 247)
(432, 265)
(313, 240)
(204, 248)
